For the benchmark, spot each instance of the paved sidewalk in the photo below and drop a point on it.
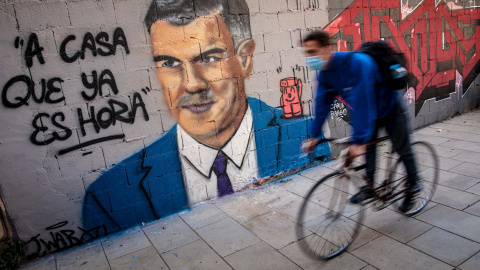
(254, 229)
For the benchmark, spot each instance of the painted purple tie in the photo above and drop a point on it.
(224, 186)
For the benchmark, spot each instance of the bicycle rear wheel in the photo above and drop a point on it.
(327, 223)
(427, 166)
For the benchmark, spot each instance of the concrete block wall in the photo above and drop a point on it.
(79, 179)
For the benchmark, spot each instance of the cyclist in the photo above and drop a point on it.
(356, 78)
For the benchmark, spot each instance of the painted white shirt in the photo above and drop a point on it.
(197, 160)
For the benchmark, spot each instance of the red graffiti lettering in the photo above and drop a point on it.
(437, 40)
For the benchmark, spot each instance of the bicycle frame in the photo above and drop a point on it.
(383, 194)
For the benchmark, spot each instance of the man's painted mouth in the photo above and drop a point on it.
(199, 107)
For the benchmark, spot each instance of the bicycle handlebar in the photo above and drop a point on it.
(346, 140)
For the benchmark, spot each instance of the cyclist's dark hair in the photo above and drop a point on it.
(235, 13)
(320, 36)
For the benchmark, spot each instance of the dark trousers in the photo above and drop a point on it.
(397, 126)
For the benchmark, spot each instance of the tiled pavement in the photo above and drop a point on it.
(254, 229)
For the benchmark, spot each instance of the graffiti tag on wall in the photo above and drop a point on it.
(22, 90)
(60, 238)
(338, 110)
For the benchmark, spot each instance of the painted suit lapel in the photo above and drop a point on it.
(163, 183)
(267, 135)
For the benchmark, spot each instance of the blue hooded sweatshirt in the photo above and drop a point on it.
(357, 79)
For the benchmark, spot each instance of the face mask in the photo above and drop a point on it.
(316, 63)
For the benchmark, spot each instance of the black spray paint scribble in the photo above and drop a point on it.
(51, 127)
(60, 239)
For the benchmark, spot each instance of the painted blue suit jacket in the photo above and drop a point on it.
(149, 184)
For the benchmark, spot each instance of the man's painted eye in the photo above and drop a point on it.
(210, 59)
(171, 63)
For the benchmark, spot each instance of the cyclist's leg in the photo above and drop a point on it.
(398, 128)
(371, 158)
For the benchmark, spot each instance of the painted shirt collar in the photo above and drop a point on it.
(202, 156)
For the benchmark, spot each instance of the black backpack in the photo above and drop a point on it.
(392, 64)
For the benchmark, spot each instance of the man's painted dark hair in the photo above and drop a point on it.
(320, 36)
(235, 13)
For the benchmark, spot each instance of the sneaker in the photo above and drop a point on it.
(409, 200)
(365, 193)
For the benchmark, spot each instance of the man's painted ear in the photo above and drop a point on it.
(245, 55)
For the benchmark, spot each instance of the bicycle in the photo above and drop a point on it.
(327, 223)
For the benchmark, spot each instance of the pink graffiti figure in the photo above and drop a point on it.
(291, 102)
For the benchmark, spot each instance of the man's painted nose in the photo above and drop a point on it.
(193, 80)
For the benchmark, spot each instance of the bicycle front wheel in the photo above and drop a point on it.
(327, 223)
(426, 161)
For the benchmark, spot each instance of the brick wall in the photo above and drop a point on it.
(81, 99)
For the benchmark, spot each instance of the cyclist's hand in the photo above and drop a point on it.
(308, 145)
(355, 151)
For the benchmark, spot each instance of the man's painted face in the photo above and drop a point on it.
(201, 75)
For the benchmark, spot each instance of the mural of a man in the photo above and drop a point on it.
(203, 52)
(202, 75)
